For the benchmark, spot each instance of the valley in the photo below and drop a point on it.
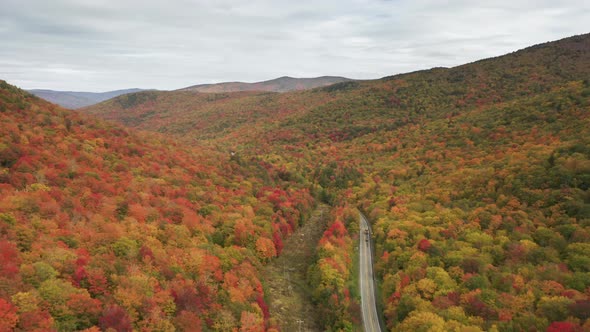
(188, 210)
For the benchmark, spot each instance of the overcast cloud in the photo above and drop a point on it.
(101, 45)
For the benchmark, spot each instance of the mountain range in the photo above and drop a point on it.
(281, 84)
(77, 99)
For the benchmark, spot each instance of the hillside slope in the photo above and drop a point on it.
(101, 227)
(477, 179)
(77, 99)
(355, 108)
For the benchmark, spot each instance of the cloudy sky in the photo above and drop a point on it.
(100, 45)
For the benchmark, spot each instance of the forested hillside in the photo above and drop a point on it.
(476, 178)
(350, 109)
(486, 222)
(102, 228)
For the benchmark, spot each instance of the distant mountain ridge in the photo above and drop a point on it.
(281, 84)
(77, 99)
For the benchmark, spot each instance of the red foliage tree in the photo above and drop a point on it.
(189, 297)
(116, 318)
(477, 307)
(8, 316)
(9, 259)
(424, 245)
(37, 320)
(145, 252)
(263, 306)
(188, 321)
(563, 327)
(97, 282)
(278, 242)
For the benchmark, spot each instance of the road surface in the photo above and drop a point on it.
(368, 306)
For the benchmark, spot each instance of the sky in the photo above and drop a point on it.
(102, 45)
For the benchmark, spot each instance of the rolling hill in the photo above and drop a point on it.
(476, 179)
(281, 84)
(77, 99)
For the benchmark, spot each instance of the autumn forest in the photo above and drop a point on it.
(162, 210)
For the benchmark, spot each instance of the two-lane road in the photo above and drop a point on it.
(368, 306)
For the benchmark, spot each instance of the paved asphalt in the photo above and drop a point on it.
(369, 308)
